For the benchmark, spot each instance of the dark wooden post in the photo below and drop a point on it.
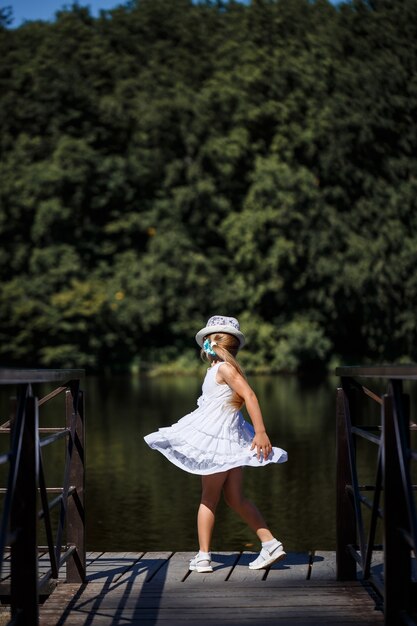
(345, 512)
(76, 566)
(397, 565)
(23, 519)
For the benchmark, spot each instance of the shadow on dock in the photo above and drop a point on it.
(157, 589)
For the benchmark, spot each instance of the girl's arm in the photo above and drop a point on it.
(228, 374)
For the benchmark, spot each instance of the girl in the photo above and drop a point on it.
(216, 442)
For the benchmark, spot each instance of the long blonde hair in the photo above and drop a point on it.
(226, 347)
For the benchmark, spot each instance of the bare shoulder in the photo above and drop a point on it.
(227, 373)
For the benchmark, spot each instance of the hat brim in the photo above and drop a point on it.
(229, 330)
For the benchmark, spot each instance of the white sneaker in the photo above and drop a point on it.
(201, 564)
(267, 556)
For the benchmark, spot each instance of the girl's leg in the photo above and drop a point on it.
(233, 494)
(212, 485)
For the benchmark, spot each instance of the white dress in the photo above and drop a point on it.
(213, 438)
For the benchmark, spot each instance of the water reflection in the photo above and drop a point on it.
(137, 500)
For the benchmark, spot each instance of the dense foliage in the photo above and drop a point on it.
(172, 160)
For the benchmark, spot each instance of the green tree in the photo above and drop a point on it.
(170, 160)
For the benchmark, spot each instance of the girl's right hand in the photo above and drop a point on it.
(262, 444)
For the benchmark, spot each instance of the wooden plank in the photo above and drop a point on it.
(226, 620)
(174, 570)
(44, 564)
(223, 564)
(241, 572)
(207, 614)
(91, 557)
(145, 568)
(5, 576)
(204, 613)
(323, 565)
(5, 615)
(148, 591)
(226, 596)
(122, 586)
(111, 565)
(211, 611)
(295, 567)
(175, 597)
(131, 593)
(156, 620)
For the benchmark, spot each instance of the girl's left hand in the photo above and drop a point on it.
(262, 444)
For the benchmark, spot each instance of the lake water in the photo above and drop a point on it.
(137, 500)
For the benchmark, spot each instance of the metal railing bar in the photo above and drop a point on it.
(26, 406)
(46, 516)
(4, 458)
(349, 488)
(351, 455)
(44, 430)
(52, 504)
(368, 488)
(393, 498)
(408, 538)
(365, 434)
(376, 512)
(405, 372)
(355, 552)
(356, 494)
(66, 485)
(41, 550)
(377, 583)
(356, 385)
(53, 394)
(25, 376)
(401, 436)
(48, 440)
(5, 426)
(370, 505)
(14, 465)
(5, 429)
(48, 490)
(406, 620)
(63, 559)
(364, 500)
(371, 394)
(10, 538)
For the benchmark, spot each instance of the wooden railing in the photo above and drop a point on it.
(26, 499)
(390, 498)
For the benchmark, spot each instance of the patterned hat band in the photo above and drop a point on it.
(221, 324)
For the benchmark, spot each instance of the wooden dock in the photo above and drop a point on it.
(157, 589)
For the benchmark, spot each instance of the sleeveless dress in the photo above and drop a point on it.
(215, 437)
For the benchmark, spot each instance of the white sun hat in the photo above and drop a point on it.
(221, 324)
